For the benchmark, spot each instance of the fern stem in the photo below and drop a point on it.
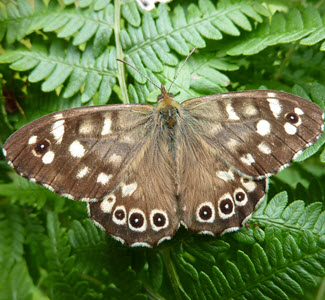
(171, 271)
(119, 51)
(321, 291)
(285, 61)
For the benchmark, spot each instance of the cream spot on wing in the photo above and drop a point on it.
(290, 129)
(231, 112)
(115, 159)
(57, 131)
(226, 175)
(104, 178)
(98, 224)
(275, 106)
(240, 197)
(107, 204)
(264, 148)
(299, 111)
(107, 126)
(263, 127)
(48, 187)
(271, 94)
(4, 152)
(48, 157)
(82, 172)
(232, 144)
(140, 244)
(166, 238)
(248, 184)
(128, 189)
(247, 159)
(250, 110)
(297, 154)
(32, 140)
(68, 196)
(76, 149)
(58, 116)
(86, 127)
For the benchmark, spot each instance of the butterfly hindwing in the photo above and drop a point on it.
(222, 200)
(256, 132)
(142, 210)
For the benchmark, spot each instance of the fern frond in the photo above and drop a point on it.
(148, 46)
(60, 64)
(282, 29)
(79, 24)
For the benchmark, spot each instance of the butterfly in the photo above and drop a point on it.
(144, 170)
(149, 4)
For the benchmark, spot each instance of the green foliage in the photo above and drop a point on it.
(61, 54)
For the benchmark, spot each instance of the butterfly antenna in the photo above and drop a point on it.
(133, 67)
(188, 56)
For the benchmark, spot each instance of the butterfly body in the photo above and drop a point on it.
(145, 169)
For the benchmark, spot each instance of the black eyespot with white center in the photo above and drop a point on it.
(42, 147)
(205, 213)
(240, 197)
(137, 220)
(293, 118)
(158, 219)
(226, 207)
(119, 215)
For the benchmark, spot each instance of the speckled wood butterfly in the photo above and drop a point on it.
(145, 169)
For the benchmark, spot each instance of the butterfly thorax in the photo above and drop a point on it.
(168, 108)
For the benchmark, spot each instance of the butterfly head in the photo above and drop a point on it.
(168, 108)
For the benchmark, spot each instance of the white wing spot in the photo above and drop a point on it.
(299, 111)
(48, 157)
(249, 185)
(48, 187)
(83, 172)
(58, 116)
(263, 127)
(4, 152)
(86, 127)
(275, 106)
(251, 110)
(226, 176)
(104, 178)
(247, 159)
(115, 159)
(135, 220)
(128, 190)
(107, 126)
(107, 204)
(231, 112)
(58, 131)
(76, 149)
(271, 94)
(32, 140)
(290, 129)
(68, 196)
(263, 147)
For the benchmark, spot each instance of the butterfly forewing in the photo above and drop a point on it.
(256, 132)
(81, 153)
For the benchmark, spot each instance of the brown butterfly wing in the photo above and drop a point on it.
(256, 132)
(142, 210)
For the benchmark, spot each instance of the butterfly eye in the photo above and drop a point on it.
(119, 215)
(226, 206)
(292, 118)
(158, 220)
(205, 212)
(42, 146)
(137, 220)
(240, 197)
